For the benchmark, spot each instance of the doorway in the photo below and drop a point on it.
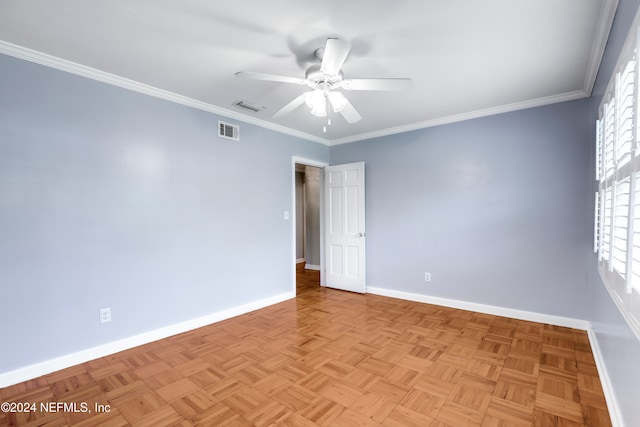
(308, 224)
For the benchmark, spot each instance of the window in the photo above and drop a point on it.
(617, 201)
(606, 226)
(620, 228)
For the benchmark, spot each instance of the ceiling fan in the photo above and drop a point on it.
(324, 80)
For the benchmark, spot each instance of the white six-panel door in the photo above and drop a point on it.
(345, 229)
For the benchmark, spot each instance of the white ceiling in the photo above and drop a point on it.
(467, 58)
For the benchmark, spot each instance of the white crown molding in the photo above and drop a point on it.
(531, 316)
(607, 14)
(48, 366)
(539, 102)
(112, 79)
(607, 385)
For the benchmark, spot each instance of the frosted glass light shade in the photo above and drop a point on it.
(317, 102)
(338, 101)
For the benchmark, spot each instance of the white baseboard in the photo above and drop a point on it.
(483, 308)
(605, 380)
(48, 366)
(312, 267)
(299, 260)
(607, 386)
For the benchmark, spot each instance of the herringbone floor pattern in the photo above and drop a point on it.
(332, 358)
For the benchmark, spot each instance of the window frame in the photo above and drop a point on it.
(617, 205)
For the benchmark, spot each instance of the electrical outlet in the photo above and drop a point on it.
(427, 277)
(105, 315)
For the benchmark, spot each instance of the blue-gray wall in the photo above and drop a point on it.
(500, 211)
(620, 348)
(110, 198)
(497, 209)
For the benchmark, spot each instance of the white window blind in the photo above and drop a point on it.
(617, 202)
(596, 227)
(620, 227)
(624, 117)
(606, 224)
(598, 149)
(609, 138)
(635, 258)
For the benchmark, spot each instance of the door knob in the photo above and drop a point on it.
(360, 235)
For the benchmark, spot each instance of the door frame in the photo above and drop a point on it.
(321, 166)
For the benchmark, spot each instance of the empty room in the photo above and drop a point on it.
(338, 213)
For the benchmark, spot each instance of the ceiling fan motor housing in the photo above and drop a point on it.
(316, 77)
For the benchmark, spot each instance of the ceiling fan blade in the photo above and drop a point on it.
(350, 114)
(335, 53)
(270, 77)
(377, 84)
(290, 106)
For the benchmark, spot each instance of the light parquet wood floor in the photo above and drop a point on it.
(332, 358)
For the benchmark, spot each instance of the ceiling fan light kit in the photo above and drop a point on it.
(338, 101)
(325, 79)
(317, 102)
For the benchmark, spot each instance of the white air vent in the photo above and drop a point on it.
(228, 131)
(254, 108)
